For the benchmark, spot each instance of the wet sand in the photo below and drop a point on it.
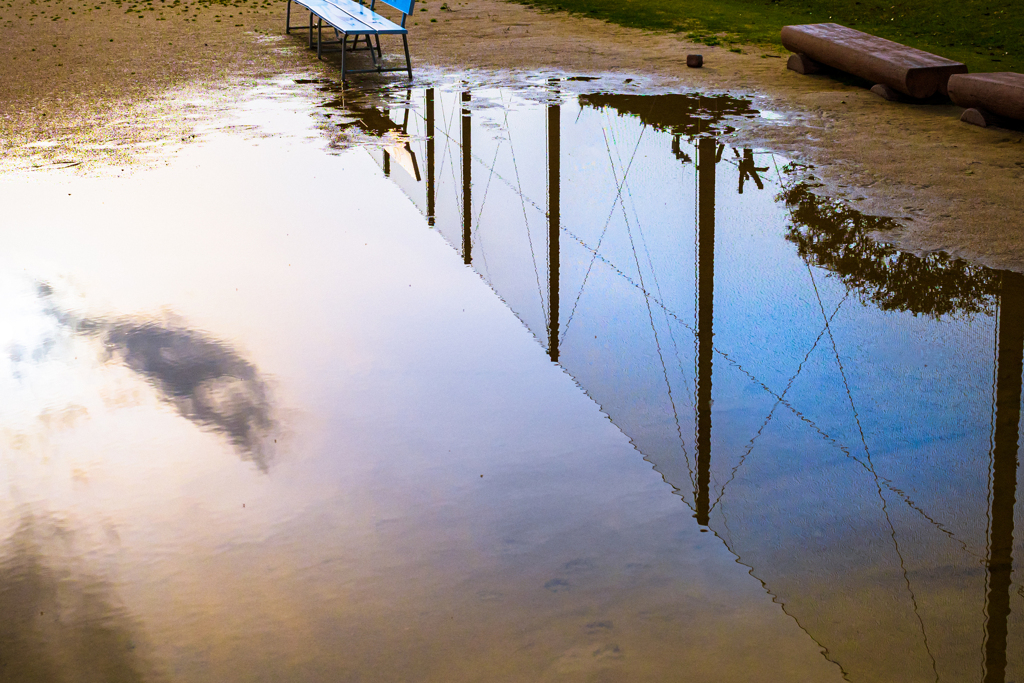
(96, 72)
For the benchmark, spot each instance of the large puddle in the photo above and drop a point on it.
(260, 422)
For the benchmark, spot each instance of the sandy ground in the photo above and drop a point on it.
(100, 71)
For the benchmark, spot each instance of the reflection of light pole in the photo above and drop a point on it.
(387, 157)
(554, 219)
(430, 157)
(1009, 364)
(706, 158)
(467, 202)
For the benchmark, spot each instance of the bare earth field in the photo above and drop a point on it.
(102, 71)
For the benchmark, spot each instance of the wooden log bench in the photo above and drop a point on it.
(348, 18)
(987, 97)
(894, 68)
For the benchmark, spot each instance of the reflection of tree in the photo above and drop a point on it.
(676, 113)
(58, 624)
(835, 237)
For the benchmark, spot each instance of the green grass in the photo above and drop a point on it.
(987, 35)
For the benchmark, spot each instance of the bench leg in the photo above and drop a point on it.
(979, 117)
(344, 45)
(885, 92)
(408, 62)
(373, 54)
(310, 29)
(802, 64)
(319, 35)
(378, 44)
(288, 19)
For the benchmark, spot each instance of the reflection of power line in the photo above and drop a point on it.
(526, 218)
(788, 194)
(998, 570)
(604, 230)
(657, 286)
(647, 299)
(446, 152)
(771, 413)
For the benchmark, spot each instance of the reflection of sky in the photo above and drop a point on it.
(870, 478)
(373, 546)
(30, 338)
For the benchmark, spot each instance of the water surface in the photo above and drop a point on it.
(552, 384)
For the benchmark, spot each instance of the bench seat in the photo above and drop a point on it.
(334, 15)
(364, 15)
(910, 71)
(1000, 93)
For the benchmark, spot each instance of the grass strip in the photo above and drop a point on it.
(987, 35)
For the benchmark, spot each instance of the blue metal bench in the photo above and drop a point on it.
(349, 18)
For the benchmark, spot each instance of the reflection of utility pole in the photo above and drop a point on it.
(554, 220)
(430, 157)
(387, 157)
(706, 159)
(467, 201)
(1009, 364)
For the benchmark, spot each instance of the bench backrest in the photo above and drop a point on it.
(403, 6)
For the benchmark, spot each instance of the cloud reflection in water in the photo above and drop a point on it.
(205, 380)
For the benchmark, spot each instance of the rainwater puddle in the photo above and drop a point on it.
(264, 418)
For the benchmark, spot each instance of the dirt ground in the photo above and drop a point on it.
(99, 71)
